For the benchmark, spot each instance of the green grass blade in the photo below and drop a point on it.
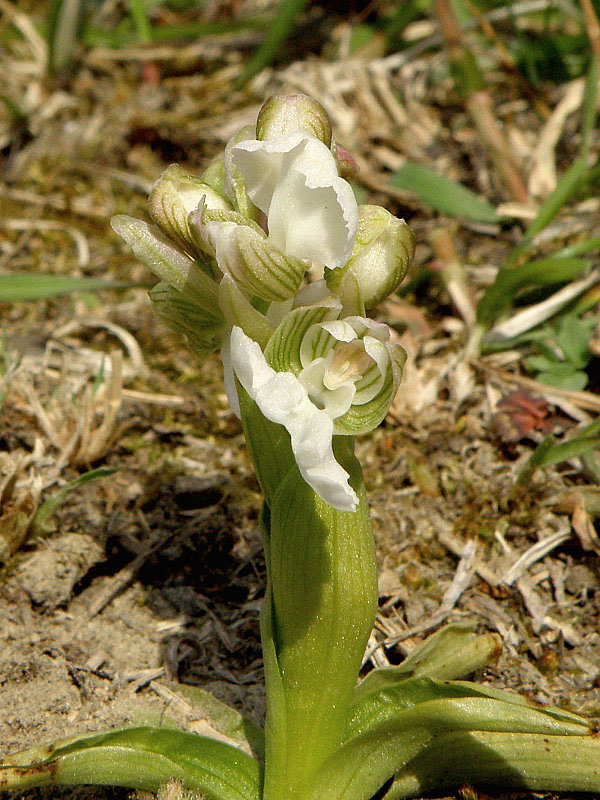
(443, 194)
(590, 103)
(19, 287)
(122, 34)
(511, 280)
(566, 188)
(138, 758)
(42, 521)
(140, 20)
(550, 452)
(556, 453)
(579, 248)
(278, 31)
(65, 20)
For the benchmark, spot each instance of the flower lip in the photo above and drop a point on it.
(283, 399)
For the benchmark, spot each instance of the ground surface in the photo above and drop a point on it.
(154, 574)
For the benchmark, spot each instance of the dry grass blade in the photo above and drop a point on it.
(535, 553)
(534, 315)
(462, 578)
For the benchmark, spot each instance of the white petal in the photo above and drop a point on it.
(378, 352)
(283, 399)
(340, 329)
(260, 164)
(229, 377)
(374, 378)
(313, 212)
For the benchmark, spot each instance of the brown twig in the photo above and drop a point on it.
(593, 27)
(470, 85)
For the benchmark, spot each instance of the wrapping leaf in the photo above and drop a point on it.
(324, 593)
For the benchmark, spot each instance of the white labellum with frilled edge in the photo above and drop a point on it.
(318, 377)
(283, 399)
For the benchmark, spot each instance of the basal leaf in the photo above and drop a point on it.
(452, 652)
(447, 705)
(224, 719)
(502, 760)
(138, 758)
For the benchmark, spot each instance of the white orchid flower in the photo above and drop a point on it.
(311, 215)
(319, 376)
(283, 399)
(311, 212)
(348, 367)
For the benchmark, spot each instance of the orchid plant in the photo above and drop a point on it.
(268, 257)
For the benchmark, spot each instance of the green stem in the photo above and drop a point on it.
(324, 599)
(318, 612)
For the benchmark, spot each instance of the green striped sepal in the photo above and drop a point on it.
(243, 250)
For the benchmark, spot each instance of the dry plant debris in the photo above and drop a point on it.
(156, 572)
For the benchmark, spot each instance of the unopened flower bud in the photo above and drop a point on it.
(214, 175)
(283, 114)
(347, 165)
(174, 196)
(383, 250)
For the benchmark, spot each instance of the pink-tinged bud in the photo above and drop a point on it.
(347, 165)
(283, 114)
